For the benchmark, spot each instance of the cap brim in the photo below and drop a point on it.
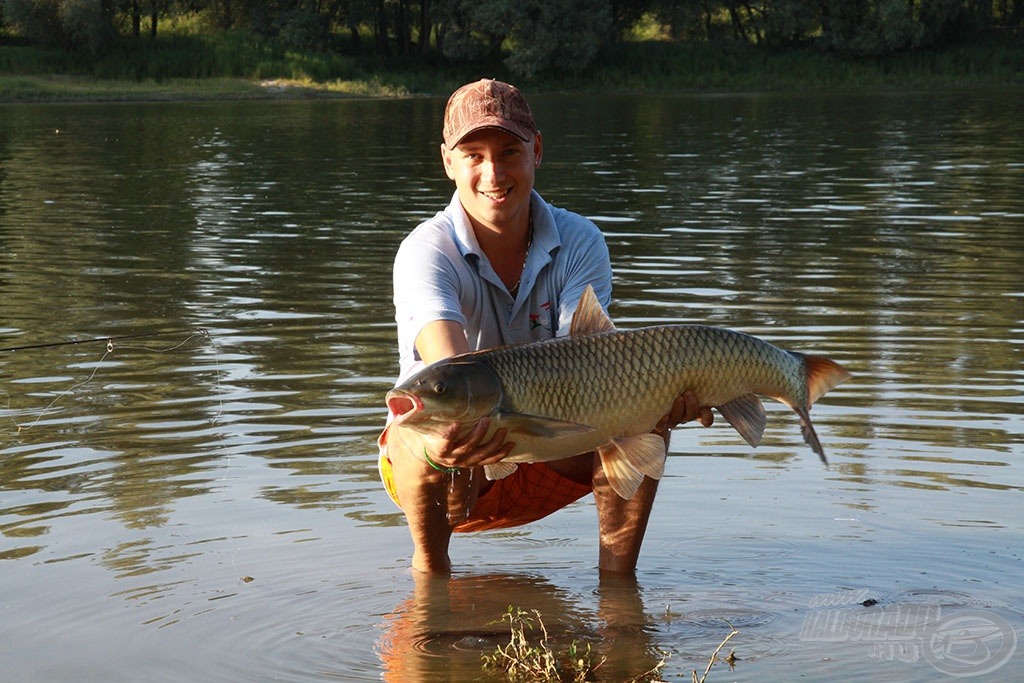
(521, 132)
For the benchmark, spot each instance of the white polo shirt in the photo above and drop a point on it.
(441, 273)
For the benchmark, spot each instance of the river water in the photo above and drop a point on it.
(190, 493)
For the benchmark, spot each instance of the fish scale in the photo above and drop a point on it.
(574, 377)
(603, 389)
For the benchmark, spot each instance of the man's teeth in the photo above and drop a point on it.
(495, 195)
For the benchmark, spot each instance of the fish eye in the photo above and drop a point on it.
(440, 388)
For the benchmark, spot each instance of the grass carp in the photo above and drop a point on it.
(604, 389)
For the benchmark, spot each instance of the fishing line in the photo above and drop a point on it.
(109, 349)
(110, 340)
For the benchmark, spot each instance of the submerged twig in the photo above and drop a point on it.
(714, 656)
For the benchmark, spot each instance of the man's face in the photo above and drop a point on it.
(493, 173)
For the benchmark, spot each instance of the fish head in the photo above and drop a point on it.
(445, 392)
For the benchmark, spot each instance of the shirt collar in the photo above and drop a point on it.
(545, 233)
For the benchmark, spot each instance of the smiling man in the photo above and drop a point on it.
(499, 265)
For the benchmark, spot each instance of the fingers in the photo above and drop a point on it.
(472, 450)
(686, 409)
(706, 418)
(693, 411)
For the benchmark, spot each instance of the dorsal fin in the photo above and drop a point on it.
(590, 317)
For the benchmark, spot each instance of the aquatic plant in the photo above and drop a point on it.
(522, 659)
(527, 659)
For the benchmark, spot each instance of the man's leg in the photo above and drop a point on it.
(433, 501)
(621, 523)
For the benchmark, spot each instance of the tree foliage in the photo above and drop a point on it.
(530, 37)
(536, 35)
(73, 24)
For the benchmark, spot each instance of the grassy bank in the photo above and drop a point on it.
(237, 66)
(78, 88)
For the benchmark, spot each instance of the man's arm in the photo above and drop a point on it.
(441, 339)
(438, 340)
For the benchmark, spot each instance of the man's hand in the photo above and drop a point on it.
(684, 409)
(472, 450)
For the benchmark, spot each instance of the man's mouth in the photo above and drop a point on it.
(495, 195)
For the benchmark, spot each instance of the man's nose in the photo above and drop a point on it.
(493, 168)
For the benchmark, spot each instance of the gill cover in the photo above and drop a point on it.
(455, 390)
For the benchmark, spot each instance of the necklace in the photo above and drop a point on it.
(514, 289)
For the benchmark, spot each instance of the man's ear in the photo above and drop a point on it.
(538, 149)
(446, 160)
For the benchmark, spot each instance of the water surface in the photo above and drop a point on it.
(201, 502)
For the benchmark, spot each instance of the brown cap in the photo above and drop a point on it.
(487, 104)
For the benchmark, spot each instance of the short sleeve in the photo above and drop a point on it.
(425, 283)
(588, 262)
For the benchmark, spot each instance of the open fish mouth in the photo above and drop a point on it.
(403, 405)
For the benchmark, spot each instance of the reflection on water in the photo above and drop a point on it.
(202, 488)
(446, 624)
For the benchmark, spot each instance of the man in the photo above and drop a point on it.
(499, 266)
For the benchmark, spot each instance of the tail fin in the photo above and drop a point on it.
(823, 375)
(811, 436)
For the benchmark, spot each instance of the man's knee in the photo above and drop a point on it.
(431, 498)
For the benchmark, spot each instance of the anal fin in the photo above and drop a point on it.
(746, 415)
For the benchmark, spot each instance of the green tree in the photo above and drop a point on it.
(556, 35)
(689, 20)
(87, 24)
(299, 24)
(790, 23)
(625, 14)
(72, 24)
(153, 9)
(532, 36)
(878, 27)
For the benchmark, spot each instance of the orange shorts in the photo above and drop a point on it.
(530, 493)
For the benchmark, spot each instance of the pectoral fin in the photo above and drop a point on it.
(627, 460)
(499, 470)
(746, 415)
(536, 425)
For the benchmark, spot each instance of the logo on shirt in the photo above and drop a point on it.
(542, 319)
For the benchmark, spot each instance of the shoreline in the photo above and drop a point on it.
(29, 90)
(62, 89)
(167, 72)
(67, 89)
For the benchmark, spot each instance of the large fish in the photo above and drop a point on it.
(604, 389)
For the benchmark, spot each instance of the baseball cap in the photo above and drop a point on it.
(487, 103)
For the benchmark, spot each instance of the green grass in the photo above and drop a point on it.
(197, 65)
(89, 89)
(529, 657)
(659, 66)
